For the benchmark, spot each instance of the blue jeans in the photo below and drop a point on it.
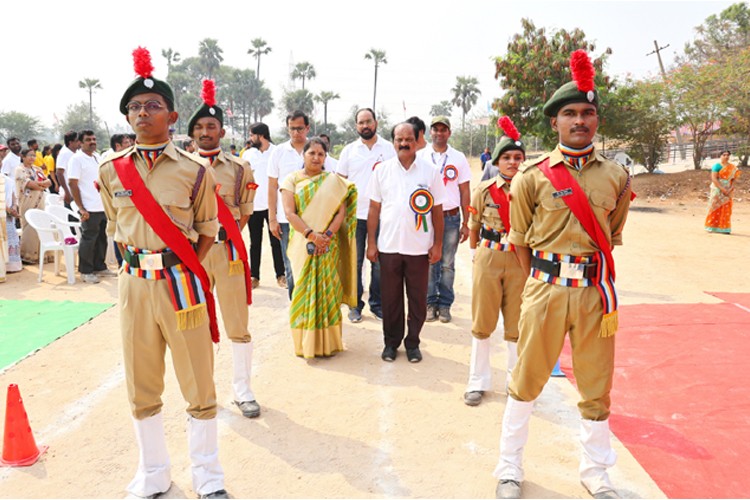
(374, 299)
(443, 273)
(287, 264)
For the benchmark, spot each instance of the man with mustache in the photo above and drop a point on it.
(357, 162)
(568, 209)
(226, 263)
(406, 199)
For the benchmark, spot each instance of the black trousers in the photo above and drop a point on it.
(396, 272)
(92, 250)
(255, 228)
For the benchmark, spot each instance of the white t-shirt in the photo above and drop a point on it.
(451, 177)
(8, 191)
(10, 163)
(259, 163)
(393, 187)
(357, 162)
(331, 164)
(85, 168)
(283, 161)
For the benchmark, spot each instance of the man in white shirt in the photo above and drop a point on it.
(12, 160)
(258, 156)
(72, 143)
(117, 143)
(357, 162)
(83, 171)
(421, 130)
(455, 174)
(285, 159)
(331, 163)
(406, 198)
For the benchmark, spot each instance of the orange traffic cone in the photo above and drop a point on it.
(19, 447)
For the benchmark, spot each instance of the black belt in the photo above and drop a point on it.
(490, 235)
(168, 259)
(553, 268)
(451, 212)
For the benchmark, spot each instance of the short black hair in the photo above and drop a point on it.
(116, 140)
(31, 142)
(372, 112)
(419, 125)
(70, 136)
(315, 140)
(11, 139)
(261, 129)
(86, 133)
(297, 114)
(186, 143)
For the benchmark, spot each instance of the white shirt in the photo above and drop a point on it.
(357, 162)
(331, 164)
(283, 161)
(443, 162)
(8, 191)
(392, 186)
(10, 163)
(258, 161)
(85, 168)
(63, 158)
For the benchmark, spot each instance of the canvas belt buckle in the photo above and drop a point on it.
(573, 271)
(150, 261)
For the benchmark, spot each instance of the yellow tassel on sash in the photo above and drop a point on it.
(192, 317)
(609, 325)
(236, 267)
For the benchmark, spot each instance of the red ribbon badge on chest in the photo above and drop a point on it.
(450, 173)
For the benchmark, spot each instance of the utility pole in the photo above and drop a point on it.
(657, 50)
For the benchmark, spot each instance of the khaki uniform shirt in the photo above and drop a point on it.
(171, 182)
(236, 184)
(545, 223)
(486, 208)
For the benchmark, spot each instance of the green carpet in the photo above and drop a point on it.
(28, 325)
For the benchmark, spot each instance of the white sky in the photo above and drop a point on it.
(427, 44)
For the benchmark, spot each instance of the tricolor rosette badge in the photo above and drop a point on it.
(450, 173)
(421, 203)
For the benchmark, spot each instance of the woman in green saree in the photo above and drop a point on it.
(321, 209)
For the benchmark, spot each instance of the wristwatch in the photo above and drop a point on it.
(329, 233)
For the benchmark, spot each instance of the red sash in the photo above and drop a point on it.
(160, 222)
(503, 206)
(226, 219)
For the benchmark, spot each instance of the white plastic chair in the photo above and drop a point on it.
(53, 199)
(72, 229)
(52, 239)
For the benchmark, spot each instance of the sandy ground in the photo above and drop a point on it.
(349, 426)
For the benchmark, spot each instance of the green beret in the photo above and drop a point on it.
(146, 86)
(205, 111)
(506, 144)
(569, 94)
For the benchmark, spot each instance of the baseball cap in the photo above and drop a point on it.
(441, 119)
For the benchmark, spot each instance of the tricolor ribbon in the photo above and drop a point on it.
(421, 202)
(450, 173)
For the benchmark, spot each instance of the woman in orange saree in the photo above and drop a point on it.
(723, 175)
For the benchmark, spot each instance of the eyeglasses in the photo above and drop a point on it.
(151, 107)
(296, 129)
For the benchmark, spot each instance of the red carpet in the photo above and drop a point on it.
(681, 398)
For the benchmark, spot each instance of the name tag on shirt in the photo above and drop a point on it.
(563, 193)
(123, 194)
(493, 205)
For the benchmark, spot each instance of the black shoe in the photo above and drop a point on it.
(216, 494)
(378, 314)
(389, 354)
(414, 355)
(432, 314)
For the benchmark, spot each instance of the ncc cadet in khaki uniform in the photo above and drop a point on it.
(161, 301)
(568, 209)
(224, 264)
(497, 276)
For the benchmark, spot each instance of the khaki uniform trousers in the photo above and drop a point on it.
(230, 291)
(547, 312)
(497, 285)
(149, 324)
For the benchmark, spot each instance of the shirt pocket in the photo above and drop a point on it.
(177, 205)
(602, 202)
(122, 202)
(491, 217)
(552, 204)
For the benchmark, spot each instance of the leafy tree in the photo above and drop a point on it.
(303, 71)
(172, 57)
(90, 84)
(465, 95)
(210, 55)
(378, 57)
(324, 97)
(260, 48)
(534, 66)
(443, 108)
(720, 35)
(17, 124)
(638, 114)
(297, 99)
(77, 118)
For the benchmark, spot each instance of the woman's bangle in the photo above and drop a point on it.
(307, 232)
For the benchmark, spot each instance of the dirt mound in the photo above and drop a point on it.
(690, 185)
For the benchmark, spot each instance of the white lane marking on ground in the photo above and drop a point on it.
(742, 307)
(382, 466)
(75, 413)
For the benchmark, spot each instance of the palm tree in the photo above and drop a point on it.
(465, 95)
(324, 97)
(303, 71)
(172, 56)
(298, 99)
(378, 56)
(260, 48)
(443, 108)
(90, 84)
(210, 55)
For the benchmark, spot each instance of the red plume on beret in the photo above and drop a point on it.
(208, 94)
(509, 128)
(582, 70)
(142, 62)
